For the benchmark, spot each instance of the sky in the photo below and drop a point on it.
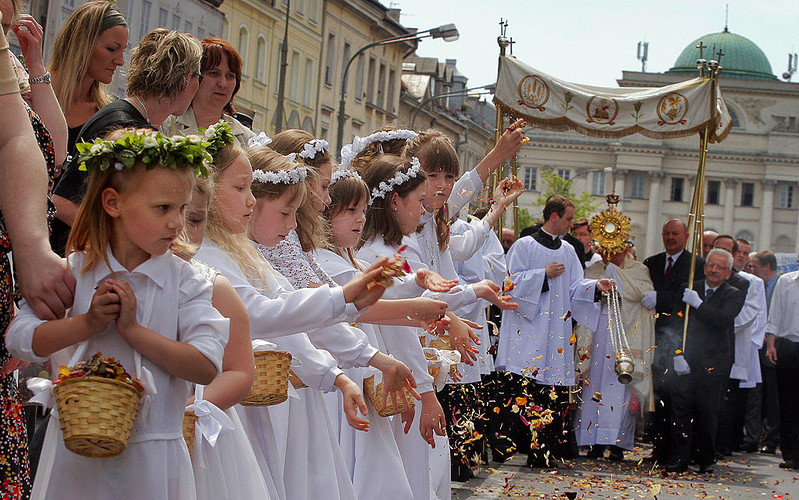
(591, 42)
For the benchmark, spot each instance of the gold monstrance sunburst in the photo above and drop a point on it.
(610, 229)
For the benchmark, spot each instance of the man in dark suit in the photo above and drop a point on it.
(703, 367)
(669, 272)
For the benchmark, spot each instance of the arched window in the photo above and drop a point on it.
(260, 59)
(244, 45)
(735, 122)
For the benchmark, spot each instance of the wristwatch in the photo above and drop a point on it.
(45, 78)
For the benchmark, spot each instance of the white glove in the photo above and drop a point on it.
(691, 298)
(650, 299)
(681, 365)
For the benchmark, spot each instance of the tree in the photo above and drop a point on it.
(585, 205)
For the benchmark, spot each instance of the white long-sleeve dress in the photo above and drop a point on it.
(174, 300)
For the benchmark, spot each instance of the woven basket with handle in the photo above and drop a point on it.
(270, 386)
(375, 395)
(189, 432)
(96, 414)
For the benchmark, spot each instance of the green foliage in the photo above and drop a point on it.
(524, 218)
(585, 204)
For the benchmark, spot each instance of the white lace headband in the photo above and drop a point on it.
(350, 151)
(259, 140)
(343, 173)
(399, 178)
(292, 176)
(313, 147)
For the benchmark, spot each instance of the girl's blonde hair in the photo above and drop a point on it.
(345, 193)
(73, 48)
(311, 226)
(93, 227)
(162, 63)
(236, 246)
(183, 247)
(436, 154)
(381, 221)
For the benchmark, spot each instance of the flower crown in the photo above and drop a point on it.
(399, 178)
(313, 147)
(350, 151)
(153, 148)
(259, 140)
(291, 176)
(343, 173)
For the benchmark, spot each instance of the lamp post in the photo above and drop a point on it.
(489, 88)
(448, 32)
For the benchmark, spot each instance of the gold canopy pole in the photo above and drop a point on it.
(493, 179)
(697, 214)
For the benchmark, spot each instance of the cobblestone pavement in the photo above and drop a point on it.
(743, 476)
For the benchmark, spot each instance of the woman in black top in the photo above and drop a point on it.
(163, 76)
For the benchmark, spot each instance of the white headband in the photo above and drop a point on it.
(292, 176)
(343, 173)
(350, 151)
(311, 148)
(259, 140)
(399, 178)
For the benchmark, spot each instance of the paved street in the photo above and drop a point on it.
(742, 476)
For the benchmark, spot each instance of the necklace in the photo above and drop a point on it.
(143, 107)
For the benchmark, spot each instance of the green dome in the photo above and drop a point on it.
(741, 59)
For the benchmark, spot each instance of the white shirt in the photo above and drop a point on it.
(673, 259)
(783, 316)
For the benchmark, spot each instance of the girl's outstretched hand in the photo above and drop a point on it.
(432, 418)
(507, 191)
(488, 290)
(511, 141)
(104, 308)
(126, 321)
(353, 402)
(433, 281)
(463, 339)
(428, 310)
(364, 289)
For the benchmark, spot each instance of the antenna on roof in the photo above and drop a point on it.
(643, 54)
(791, 67)
(726, 18)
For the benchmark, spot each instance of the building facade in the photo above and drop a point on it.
(751, 177)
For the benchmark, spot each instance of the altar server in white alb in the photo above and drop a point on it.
(606, 417)
(535, 340)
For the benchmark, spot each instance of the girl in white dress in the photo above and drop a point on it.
(224, 464)
(276, 310)
(432, 245)
(142, 305)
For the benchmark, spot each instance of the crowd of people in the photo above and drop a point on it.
(159, 230)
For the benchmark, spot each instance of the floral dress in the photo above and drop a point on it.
(15, 480)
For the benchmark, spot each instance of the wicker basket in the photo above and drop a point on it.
(189, 432)
(270, 386)
(375, 395)
(96, 414)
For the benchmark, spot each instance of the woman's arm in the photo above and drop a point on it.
(238, 366)
(30, 35)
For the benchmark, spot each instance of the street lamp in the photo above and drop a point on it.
(447, 32)
(489, 89)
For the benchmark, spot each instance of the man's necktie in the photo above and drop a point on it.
(668, 268)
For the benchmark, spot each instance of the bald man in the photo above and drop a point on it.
(708, 237)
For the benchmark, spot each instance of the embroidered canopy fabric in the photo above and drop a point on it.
(676, 110)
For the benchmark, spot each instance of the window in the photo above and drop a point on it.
(598, 184)
(188, 27)
(370, 81)
(175, 22)
(359, 79)
(713, 192)
(294, 92)
(300, 7)
(344, 60)
(638, 182)
(313, 11)
(747, 194)
(676, 188)
(310, 85)
(529, 178)
(381, 85)
(392, 77)
(163, 18)
(260, 60)
(734, 117)
(145, 18)
(244, 45)
(786, 196)
(564, 173)
(330, 61)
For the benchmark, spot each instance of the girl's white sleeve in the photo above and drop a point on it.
(19, 336)
(199, 323)
(315, 367)
(457, 297)
(465, 188)
(466, 243)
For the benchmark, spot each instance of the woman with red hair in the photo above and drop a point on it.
(221, 79)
